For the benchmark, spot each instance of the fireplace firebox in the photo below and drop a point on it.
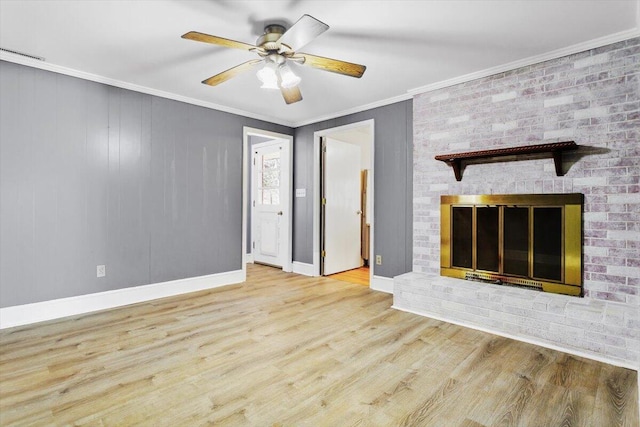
(529, 240)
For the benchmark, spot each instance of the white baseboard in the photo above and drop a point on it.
(54, 309)
(530, 340)
(248, 259)
(382, 284)
(302, 268)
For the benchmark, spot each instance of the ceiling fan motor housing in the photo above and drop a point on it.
(269, 40)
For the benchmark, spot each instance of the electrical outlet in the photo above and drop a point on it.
(101, 271)
(378, 259)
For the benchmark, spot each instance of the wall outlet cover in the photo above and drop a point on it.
(101, 271)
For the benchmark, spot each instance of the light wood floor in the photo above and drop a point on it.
(358, 276)
(288, 350)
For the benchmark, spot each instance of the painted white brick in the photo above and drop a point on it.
(622, 199)
(590, 181)
(592, 310)
(498, 127)
(504, 96)
(596, 251)
(631, 312)
(594, 216)
(458, 119)
(559, 100)
(440, 97)
(591, 60)
(559, 133)
(591, 112)
(438, 187)
(593, 174)
(440, 135)
(617, 270)
(623, 235)
(605, 339)
(458, 146)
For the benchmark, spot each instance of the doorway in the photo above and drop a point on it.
(343, 201)
(267, 207)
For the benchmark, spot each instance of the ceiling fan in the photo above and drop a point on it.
(276, 48)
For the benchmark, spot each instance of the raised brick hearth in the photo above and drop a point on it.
(592, 98)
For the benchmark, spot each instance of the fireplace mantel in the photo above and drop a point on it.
(555, 148)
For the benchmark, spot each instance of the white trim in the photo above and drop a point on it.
(570, 50)
(303, 268)
(19, 315)
(359, 109)
(529, 340)
(47, 66)
(248, 258)
(382, 284)
(580, 47)
(316, 189)
(288, 140)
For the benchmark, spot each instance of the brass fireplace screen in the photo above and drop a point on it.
(530, 240)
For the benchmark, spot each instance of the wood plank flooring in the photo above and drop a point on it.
(359, 276)
(287, 350)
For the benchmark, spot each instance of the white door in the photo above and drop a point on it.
(341, 193)
(269, 212)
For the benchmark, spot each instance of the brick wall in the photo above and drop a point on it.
(592, 98)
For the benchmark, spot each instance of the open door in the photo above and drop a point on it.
(341, 208)
(269, 213)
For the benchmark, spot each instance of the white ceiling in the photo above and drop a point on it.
(406, 45)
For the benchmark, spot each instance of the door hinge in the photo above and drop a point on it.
(324, 201)
(254, 203)
(324, 254)
(253, 245)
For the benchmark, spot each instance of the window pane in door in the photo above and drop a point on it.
(270, 196)
(269, 187)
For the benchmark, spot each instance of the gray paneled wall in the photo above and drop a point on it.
(91, 174)
(393, 218)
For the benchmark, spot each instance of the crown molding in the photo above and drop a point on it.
(9, 57)
(547, 56)
(354, 110)
(580, 47)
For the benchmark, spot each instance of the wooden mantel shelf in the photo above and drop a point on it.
(555, 148)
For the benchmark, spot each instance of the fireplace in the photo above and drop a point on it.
(527, 240)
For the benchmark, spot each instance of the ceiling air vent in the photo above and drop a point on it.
(26, 55)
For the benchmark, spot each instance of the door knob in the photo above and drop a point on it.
(359, 213)
(279, 213)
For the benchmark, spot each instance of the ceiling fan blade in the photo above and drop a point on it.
(206, 38)
(231, 72)
(333, 65)
(291, 94)
(302, 32)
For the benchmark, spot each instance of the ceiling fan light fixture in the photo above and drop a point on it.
(288, 77)
(267, 75)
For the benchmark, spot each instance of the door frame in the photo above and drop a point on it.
(246, 182)
(370, 124)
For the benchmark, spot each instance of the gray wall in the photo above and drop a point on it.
(393, 168)
(91, 174)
